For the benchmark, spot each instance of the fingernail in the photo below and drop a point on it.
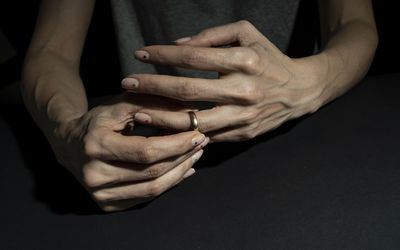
(183, 39)
(143, 55)
(189, 173)
(130, 83)
(143, 118)
(197, 156)
(205, 142)
(198, 139)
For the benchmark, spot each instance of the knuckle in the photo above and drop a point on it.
(155, 189)
(314, 107)
(245, 24)
(248, 93)
(153, 172)
(186, 90)
(192, 57)
(254, 127)
(102, 196)
(105, 195)
(95, 175)
(251, 61)
(249, 116)
(205, 35)
(249, 134)
(146, 154)
(291, 100)
(159, 56)
(92, 178)
(109, 209)
(90, 146)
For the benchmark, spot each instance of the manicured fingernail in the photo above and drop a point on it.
(143, 118)
(189, 173)
(197, 156)
(198, 139)
(183, 39)
(205, 142)
(130, 83)
(143, 55)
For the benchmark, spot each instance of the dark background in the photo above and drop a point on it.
(17, 24)
(357, 186)
(100, 55)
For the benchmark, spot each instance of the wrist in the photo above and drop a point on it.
(58, 123)
(53, 97)
(322, 72)
(311, 75)
(64, 138)
(66, 128)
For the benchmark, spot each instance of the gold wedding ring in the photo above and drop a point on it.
(194, 124)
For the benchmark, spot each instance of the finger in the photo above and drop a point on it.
(132, 101)
(213, 119)
(183, 88)
(120, 205)
(223, 60)
(208, 120)
(248, 132)
(189, 173)
(137, 149)
(149, 189)
(242, 32)
(100, 175)
(118, 112)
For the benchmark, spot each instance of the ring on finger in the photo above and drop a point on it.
(194, 123)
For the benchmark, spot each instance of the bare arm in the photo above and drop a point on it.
(349, 39)
(119, 171)
(52, 89)
(260, 88)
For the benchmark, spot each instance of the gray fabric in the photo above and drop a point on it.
(140, 23)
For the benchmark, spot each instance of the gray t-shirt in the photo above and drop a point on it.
(147, 22)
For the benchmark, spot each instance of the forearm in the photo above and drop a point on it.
(347, 57)
(51, 86)
(349, 41)
(52, 89)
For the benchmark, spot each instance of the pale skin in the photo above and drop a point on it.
(118, 171)
(259, 88)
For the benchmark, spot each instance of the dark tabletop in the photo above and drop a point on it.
(327, 181)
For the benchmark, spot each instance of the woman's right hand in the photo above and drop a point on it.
(120, 171)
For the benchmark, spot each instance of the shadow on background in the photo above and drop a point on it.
(53, 184)
(61, 192)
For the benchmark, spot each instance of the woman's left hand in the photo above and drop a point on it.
(259, 87)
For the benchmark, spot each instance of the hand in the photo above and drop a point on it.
(259, 87)
(121, 171)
